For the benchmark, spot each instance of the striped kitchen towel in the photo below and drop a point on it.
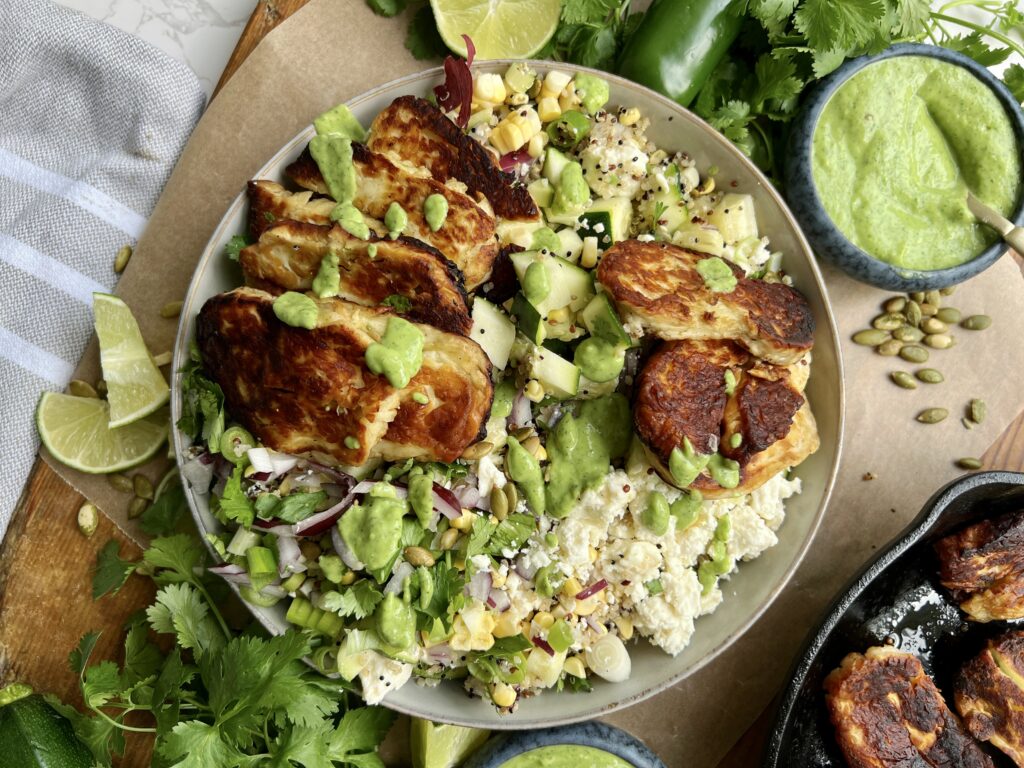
(91, 123)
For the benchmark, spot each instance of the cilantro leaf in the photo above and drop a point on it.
(290, 509)
(163, 516)
(360, 730)
(422, 39)
(448, 583)
(142, 659)
(912, 17)
(79, 657)
(397, 302)
(111, 571)
(974, 45)
(776, 80)
(587, 11)
(234, 246)
(773, 14)
(181, 611)
(825, 62)
(1014, 79)
(511, 533)
(233, 503)
(832, 25)
(177, 555)
(387, 7)
(202, 406)
(100, 735)
(357, 601)
(302, 745)
(195, 744)
(477, 544)
(100, 683)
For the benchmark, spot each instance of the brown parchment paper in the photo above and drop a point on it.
(334, 49)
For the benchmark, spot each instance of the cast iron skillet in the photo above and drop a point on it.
(897, 599)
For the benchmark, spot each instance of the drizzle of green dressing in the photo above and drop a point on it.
(504, 394)
(419, 397)
(895, 151)
(572, 191)
(686, 509)
(684, 463)
(593, 91)
(723, 471)
(352, 443)
(581, 447)
(333, 155)
(371, 250)
(566, 756)
(340, 121)
(296, 310)
(351, 220)
(435, 211)
(598, 360)
(524, 469)
(396, 622)
(395, 220)
(536, 283)
(421, 497)
(545, 238)
(730, 381)
(328, 277)
(372, 529)
(717, 275)
(399, 353)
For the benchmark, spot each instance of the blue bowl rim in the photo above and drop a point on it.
(589, 733)
(820, 97)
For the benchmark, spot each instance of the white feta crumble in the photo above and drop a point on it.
(381, 675)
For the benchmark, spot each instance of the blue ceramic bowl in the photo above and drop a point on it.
(503, 748)
(826, 239)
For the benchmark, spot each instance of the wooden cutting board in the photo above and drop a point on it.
(45, 562)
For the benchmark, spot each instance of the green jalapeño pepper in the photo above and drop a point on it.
(678, 44)
(569, 129)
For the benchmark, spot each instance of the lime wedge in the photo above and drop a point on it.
(443, 746)
(135, 386)
(500, 29)
(76, 431)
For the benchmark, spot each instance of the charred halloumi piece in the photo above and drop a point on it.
(468, 235)
(658, 285)
(301, 390)
(983, 565)
(989, 695)
(419, 133)
(682, 394)
(270, 203)
(288, 256)
(888, 713)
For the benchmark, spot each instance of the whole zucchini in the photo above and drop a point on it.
(34, 735)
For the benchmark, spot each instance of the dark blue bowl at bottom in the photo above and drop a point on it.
(506, 746)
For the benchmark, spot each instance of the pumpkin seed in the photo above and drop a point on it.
(523, 433)
(532, 444)
(80, 388)
(888, 322)
(932, 415)
(930, 376)
(933, 297)
(136, 507)
(908, 333)
(978, 410)
(938, 341)
(914, 353)
(88, 519)
(903, 379)
(917, 296)
(121, 483)
(512, 494)
(499, 503)
(968, 424)
(969, 463)
(478, 450)
(171, 309)
(889, 348)
(310, 549)
(913, 313)
(448, 539)
(121, 260)
(928, 310)
(870, 337)
(101, 388)
(977, 322)
(933, 325)
(895, 304)
(947, 291)
(418, 556)
(142, 487)
(949, 315)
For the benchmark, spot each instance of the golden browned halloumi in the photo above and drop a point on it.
(301, 390)
(468, 235)
(658, 284)
(288, 256)
(419, 133)
(888, 713)
(270, 203)
(984, 567)
(989, 694)
(681, 394)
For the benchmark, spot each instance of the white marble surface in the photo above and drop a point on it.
(200, 33)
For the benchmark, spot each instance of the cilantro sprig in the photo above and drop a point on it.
(218, 698)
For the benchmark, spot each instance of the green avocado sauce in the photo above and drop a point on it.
(684, 463)
(435, 211)
(572, 191)
(581, 447)
(566, 756)
(351, 220)
(598, 360)
(545, 239)
(399, 353)
(421, 497)
(524, 469)
(396, 220)
(717, 275)
(296, 310)
(327, 282)
(536, 283)
(396, 622)
(593, 91)
(373, 528)
(333, 155)
(895, 151)
(340, 121)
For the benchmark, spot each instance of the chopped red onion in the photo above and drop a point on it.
(198, 473)
(235, 574)
(259, 477)
(274, 526)
(446, 502)
(346, 554)
(499, 600)
(441, 654)
(307, 588)
(457, 89)
(511, 161)
(321, 521)
(260, 459)
(289, 556)
(520, 416)
(282, 462)
(625, 582)
(467, 495)
(206, 457)
(526, 571)
(594, 624)
(403, 570)
(593, 589)
(308, 481)
(479, 587)
(544, 645)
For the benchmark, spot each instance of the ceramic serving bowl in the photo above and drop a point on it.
(500, 749)
(758, 582)
(897, 599)
(802, 194)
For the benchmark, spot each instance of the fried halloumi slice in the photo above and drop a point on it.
(288, 256)
(888, 713)
(468, 235)
(984, 567)
(301, 390)
(658, 285)
(419, 133)
(989, 695)
(681, 393)
(270, 203)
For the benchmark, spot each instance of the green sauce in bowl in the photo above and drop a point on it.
(566, 756)
(895, 150)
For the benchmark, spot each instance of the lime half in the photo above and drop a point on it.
(443, 746)
(499, 29)
(135, 386)
(76, 431)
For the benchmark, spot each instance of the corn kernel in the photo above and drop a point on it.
(575, 667)
(555, 83)
(464, 523)
(625, 625)
(543, 619)
(588, 256)
(630, 116)
(534, 391)
(506, 625)
(503, 695)
(558, 315)
(586, 607)
(535, 147)
(568, 100)
(548, 109)
(527, 120)
(559, 612)
(572, 587)
(348, 578)
(592, 554)
(489, 88)
(498, 579)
